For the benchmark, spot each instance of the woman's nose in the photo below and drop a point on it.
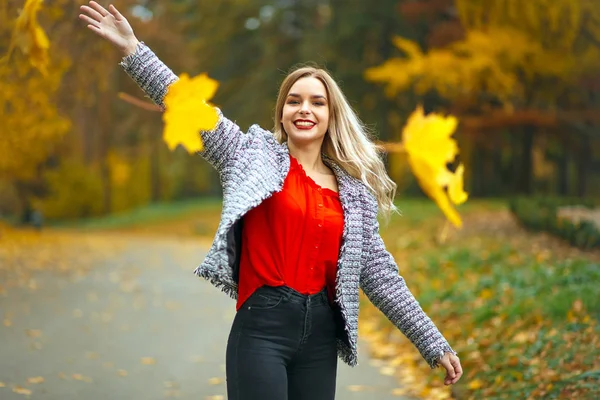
(305, 109)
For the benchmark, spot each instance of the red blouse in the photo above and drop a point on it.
(292, 238)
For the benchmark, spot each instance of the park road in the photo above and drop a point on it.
(118, 316)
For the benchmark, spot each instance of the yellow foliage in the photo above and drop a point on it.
(30, 37)
(187, 111)
(120, 170)
(509, 45)
(488, 60)
(29, 119)
(75, 192)
(428, 143)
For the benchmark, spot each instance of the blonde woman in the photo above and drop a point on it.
(298, 234)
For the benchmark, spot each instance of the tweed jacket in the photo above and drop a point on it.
(253, 166)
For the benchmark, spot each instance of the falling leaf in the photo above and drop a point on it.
(428, 143)
(399, 391)
(387, 371)
(215, 381)
(2, 384)
(122, 372)
(216, 397)
(21, 390)
(148, 361)
(187, 111)
(7, 322)
(36, 379)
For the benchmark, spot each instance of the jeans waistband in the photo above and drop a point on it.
(292, 295)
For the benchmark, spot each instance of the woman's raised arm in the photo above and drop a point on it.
(154, 78)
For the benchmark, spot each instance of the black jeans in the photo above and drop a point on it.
(282, 346)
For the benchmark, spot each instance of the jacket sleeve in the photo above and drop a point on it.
(387, 290)
(154, 78)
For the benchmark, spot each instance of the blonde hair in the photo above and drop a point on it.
(347, 141)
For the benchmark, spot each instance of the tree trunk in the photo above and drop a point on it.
(477, 176)
(583, 163)
(155, 192)
(524, 177)
(104, 114)
(563, 172)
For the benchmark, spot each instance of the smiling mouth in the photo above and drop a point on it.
(304, 124)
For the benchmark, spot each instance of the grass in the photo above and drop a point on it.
(151, 214)
(521, 313)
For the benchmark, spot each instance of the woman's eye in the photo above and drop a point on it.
(319, 104)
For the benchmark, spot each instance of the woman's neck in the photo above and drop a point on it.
(308, 156)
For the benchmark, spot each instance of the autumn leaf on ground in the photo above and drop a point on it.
(148, 361)
(188, 112)
(30, 37)
(21, 390)
(428, 143)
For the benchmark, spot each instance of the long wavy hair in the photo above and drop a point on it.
(347, 141)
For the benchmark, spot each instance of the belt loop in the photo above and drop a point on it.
(288, 293)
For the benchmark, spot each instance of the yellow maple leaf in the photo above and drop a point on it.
(429, 146)
(30, 37)
(188, 111)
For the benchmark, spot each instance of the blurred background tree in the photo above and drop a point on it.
(522, 79)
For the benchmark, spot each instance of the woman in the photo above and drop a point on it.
(298, 234)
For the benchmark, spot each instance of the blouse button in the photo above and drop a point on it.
(320, 205)
(319, 225)
(319, 189)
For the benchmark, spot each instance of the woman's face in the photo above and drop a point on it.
(305, 115)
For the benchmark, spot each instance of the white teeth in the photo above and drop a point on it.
(302, 123)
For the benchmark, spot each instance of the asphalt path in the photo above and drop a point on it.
(132, 323)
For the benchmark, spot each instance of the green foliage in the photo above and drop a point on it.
(523, 317)
(203, 209)
(541, 214)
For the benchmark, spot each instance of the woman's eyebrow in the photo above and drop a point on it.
(314, 96)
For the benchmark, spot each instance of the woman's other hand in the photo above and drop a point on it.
(110, 25)
(453, 369)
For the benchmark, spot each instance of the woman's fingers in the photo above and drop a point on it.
(457, 368)
(99, 8)
(113, 10)
(453, 369)
(92, 13)
(89, 20)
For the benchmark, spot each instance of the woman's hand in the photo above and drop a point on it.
(110, 25)
(453, 369)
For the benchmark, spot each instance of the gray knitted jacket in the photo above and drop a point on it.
(252, 167)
